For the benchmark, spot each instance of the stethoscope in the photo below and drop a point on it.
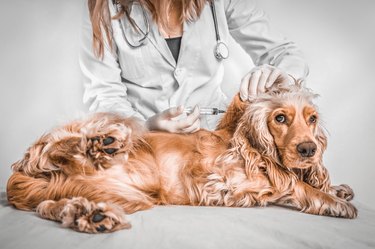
(221, 50)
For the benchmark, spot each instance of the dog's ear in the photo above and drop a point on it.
(260, 137)
(258, 133)
(252, 131)
(317, 175)
(321, 137)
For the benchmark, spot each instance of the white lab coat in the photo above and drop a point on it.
(146, 80)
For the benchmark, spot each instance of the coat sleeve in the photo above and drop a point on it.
(250, 27)
(104, 90)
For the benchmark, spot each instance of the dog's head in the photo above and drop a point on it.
(284, 124)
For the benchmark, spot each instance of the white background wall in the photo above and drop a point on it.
(40, 80)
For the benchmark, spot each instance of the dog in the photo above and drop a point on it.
(266, 151)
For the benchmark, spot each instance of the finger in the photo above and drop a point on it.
(284, 79)
(193, 128)
(189, 120)
(254, 80)
(263, 80)
(273, 77)
(172, 112)
(244, 92)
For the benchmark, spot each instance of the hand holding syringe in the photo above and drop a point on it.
(172, 120)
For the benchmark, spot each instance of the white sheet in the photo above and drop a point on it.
(179, 227)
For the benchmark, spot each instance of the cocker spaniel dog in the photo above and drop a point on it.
(268, 151)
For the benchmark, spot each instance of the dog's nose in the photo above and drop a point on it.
(306, 149)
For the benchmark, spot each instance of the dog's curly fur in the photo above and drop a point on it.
(88, 173)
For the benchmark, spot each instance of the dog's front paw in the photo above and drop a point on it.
(341, 208)
(86, 216)
(347, 210)
(343, 191)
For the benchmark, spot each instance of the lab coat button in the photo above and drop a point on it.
(177, 72)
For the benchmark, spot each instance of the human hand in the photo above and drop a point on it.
(260, 78)
(164, 121)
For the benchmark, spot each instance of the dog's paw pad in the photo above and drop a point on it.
(99, 146)
(86, 216)
(101, 228)
(110, 151)
(108, 140)
(97, 218)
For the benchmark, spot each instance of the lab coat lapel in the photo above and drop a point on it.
(154, 36)
(188, 31)
(160, 44)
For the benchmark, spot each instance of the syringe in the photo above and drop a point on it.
(205, 110)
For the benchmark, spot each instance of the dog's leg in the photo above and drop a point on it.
(94, 147)
(108, 142)
(85, 216)
(313, 201)
(318, 177)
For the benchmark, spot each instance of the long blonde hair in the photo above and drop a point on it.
(189, 10)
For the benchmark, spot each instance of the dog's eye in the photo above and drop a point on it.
(313, 119)
(280, 118)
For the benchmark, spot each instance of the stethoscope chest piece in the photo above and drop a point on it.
(221, 50)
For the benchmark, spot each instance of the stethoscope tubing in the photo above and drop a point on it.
(122, 27)
(221, 50)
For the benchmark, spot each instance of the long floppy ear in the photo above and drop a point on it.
(252, 132)
(258, 133)
(317, 175)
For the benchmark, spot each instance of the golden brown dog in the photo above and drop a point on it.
(88, 173)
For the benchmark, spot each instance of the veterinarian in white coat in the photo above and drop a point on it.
(148, 83)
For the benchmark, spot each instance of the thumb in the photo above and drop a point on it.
(172, 112)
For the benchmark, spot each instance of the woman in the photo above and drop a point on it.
(150, 58)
